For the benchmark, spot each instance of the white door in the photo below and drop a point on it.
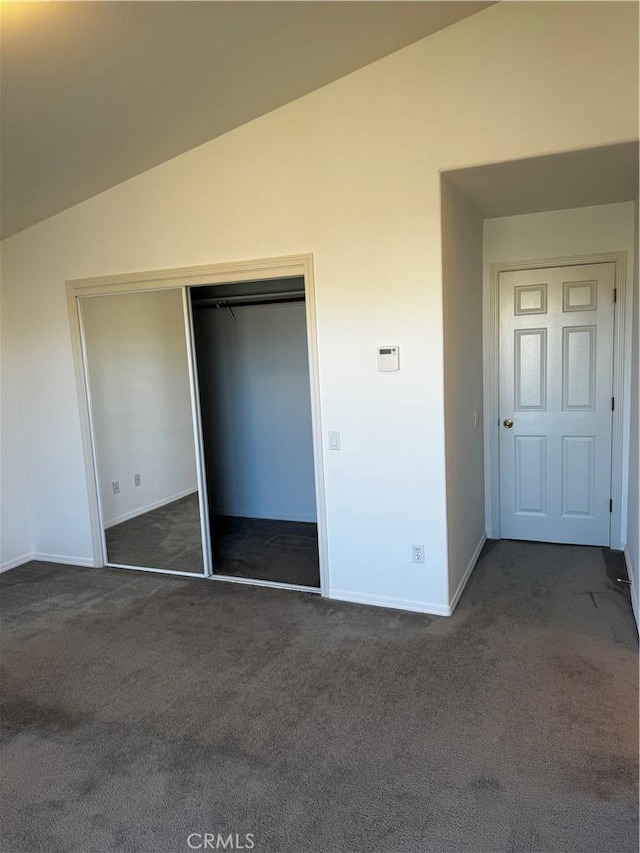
(556, 379)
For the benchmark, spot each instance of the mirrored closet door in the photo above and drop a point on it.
(139, 380)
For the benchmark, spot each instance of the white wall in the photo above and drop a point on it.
(559, 233)
(15, 535)
(463, 406)
(140, 400)
(256, 411)
(350, 173)
(632, 552)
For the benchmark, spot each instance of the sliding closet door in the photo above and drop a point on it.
(140, 387)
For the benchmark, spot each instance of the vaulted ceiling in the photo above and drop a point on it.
(93, 93)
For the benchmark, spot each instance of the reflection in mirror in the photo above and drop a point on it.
(138, 377)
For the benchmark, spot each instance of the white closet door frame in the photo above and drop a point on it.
(183, 278)
(92, 438)
(621, 412)
(198, 442)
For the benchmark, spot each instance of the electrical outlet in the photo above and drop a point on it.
(417, 553)
(136, 479)
(116, 487)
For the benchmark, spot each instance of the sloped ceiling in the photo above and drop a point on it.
(93, 93)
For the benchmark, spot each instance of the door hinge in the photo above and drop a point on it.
(611, 505)
(613, 404)
(615, 294)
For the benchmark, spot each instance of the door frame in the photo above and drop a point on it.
(181, 278)
(620, 419)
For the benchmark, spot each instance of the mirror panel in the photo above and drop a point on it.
(137, 368)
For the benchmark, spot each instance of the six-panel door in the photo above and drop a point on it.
(556, 358)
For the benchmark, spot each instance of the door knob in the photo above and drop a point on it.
(508, 423)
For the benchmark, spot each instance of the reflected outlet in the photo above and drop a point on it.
(417, 553)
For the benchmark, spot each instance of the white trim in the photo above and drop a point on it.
(621, 414)
(316, 423)
(387, 601)
(81, 562)
(621, 419)
(634, 590)
(154, 571)
(86, 427)
(268, 516)
(198, 441)
(271, 584)
(18, 561)
(224, 578)
(127, 516)
(76, 561)
(455, 598)
(181, 277)
(287, 266)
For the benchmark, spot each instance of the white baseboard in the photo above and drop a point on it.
(65, 561)
(269, 516)
(386, 601)
(455, 598)
(635, 586)
(127, 516)
(18, 561)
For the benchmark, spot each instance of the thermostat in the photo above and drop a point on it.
(388, 358)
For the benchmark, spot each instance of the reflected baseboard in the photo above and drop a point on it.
(148, 508)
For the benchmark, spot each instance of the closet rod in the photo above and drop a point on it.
(267, 299)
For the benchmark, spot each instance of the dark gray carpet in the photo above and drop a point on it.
(280, 551)
(141, 708)
(165, 538)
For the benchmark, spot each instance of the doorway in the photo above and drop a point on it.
(252, 367)
(561, 210)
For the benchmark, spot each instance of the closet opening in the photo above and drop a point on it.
(251, 366)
